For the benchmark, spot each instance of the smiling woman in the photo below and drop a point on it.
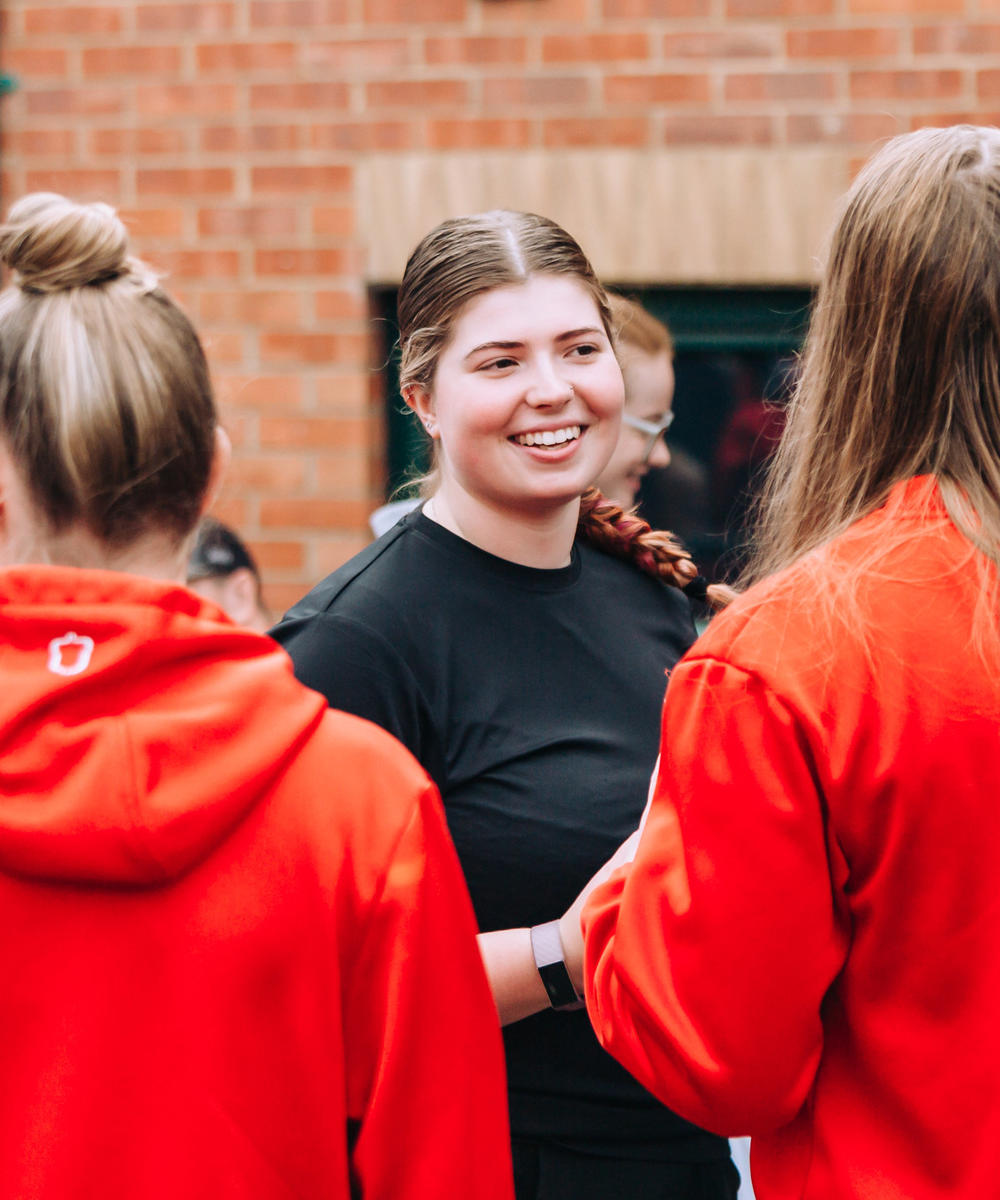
(485, 632)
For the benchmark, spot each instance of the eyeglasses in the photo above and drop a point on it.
(653, 429)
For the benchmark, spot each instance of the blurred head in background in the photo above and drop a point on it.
(645, 352)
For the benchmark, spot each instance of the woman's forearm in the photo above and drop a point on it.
(518, 990)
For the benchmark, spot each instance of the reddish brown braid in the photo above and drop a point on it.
(624, 534)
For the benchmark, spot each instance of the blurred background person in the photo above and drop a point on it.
(222, 569)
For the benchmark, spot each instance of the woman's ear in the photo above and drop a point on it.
(220, 464)
(421, 401)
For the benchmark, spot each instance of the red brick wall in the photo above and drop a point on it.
(229, 131)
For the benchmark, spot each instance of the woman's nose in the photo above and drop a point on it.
(660, 454)
(548, 386)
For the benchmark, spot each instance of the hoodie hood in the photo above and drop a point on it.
(138, 725)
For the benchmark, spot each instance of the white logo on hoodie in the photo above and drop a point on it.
(78, 649)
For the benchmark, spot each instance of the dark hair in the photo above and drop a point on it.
(218, 552)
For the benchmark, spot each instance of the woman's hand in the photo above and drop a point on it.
(569, 923)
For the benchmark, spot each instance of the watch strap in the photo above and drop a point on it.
(546, 946)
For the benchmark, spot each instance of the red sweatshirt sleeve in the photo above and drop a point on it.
(426, 1077)
(707, 960)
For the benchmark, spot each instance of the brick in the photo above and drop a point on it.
(784, 85)
(478, 133)
(299, 180)
(281, 473)
(981, 116)
(905, 85)
(281, 596)
(251, 307)
(248, 222)
(754, 42)
(339, 305)
(35, 62)
(284, 347)
(645, 9)
(131, 60)
(333, 220)
(145, 223)
(403, 12)
(608, 46)
(779, 8)
(130, 142)
(416, 93)
(261, 391)
(988, 84)
(271, 555)
(656, 89)
(223, 348)
(299, 96)
(706, 129)
(535, 12)
(536, 90)
(841, 128)
(346, 391)
(359, 136)
(224, 139)
(957, 39)
(306, 433)
(185, 181)
(908, 8)
(371, 56)
(74, 19)
(39, 143)
(476, 51)
(186, 18)
(843, 43)
(197, 264)
(344, 474)
(75, 102)
(80, 183)
(246, 56)
(298, 14)
(186, 99)
(314, 514)
(327, 260)
(596, 131)
(230, 510)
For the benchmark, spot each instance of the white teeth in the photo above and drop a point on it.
(549, 437)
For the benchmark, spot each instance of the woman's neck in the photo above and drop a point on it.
(542, 539)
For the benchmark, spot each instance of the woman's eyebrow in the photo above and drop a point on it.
(495, 346)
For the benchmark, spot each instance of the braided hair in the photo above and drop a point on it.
(624, 534)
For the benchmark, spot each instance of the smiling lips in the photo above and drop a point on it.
(548, 437)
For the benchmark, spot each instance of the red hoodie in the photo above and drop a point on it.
(238, 955)
(807, 946)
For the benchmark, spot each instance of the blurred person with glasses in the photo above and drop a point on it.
(646, 352)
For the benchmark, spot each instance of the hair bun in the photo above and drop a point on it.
(54, 244)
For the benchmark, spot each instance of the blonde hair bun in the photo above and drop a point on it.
(54, 244)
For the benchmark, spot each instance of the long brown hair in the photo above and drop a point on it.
(901, 370)
(467, 256)
(105, 398)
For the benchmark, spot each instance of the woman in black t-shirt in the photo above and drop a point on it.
(514, 633)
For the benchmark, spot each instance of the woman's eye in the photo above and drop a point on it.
(585, 350)
(498, 364)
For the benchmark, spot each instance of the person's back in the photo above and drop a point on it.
(824, 819)
(241, 960)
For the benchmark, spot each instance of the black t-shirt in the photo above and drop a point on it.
(532, 698)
